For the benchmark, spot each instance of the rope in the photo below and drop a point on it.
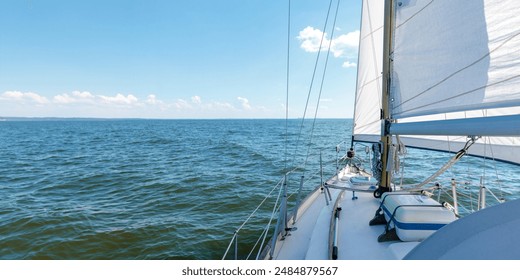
(450, 163)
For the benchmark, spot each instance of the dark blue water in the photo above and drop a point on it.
(154, 189)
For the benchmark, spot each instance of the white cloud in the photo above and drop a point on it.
(244, 102)
(87, 104)
(341, 46)
(13, 95)
(63, 99)
(76, 97)
(85, 97)
(182, 104)
(197, 106)
(152, 99)
(196, 99)
(345, 43)
(82, 94)
(119, 99)
(24, 97)
(348, 64)
(310, 39)
(217, 105)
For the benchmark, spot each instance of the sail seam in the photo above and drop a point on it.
(360, 89)
(371, 33)
(455, 73)
(368, 124)
(374, 54)
(411, 17)
(461, 94)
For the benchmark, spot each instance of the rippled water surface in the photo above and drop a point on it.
(148, 189)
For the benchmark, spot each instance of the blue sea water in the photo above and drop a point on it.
(157, 189)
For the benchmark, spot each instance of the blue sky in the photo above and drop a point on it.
(172, 59)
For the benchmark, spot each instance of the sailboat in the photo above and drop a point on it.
(439, 75)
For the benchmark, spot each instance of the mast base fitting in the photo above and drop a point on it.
(380, 190)
(351, 153)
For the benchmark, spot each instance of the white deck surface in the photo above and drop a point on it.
(356, 241)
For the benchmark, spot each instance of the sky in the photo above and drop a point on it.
(196, 59)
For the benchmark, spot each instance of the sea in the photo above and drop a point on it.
(124, 189)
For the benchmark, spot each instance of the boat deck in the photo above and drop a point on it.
(356, 239)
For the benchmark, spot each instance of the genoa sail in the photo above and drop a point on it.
(367, 119)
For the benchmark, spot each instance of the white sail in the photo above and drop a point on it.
(457, 60)
(367, 124)
(452, 56)
(450, 60)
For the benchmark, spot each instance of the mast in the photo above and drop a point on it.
(386, 138)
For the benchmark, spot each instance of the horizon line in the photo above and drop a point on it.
(3, 118)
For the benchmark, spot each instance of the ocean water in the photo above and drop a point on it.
(159, 189)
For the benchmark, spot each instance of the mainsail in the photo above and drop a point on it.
(452, 56)
(451, 60)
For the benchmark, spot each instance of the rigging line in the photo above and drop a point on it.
(251, 215)
(379, 90)
(376, 79)
(270, 221)
(484, 164)
(258, 241)
(312, 79)
(322, 82)
(449, 143)
(371, 32)
(459, 71)
(259, 205)
(418, 12)
(287, 85)
(379, 76)
(498, 181)
(459, 95)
